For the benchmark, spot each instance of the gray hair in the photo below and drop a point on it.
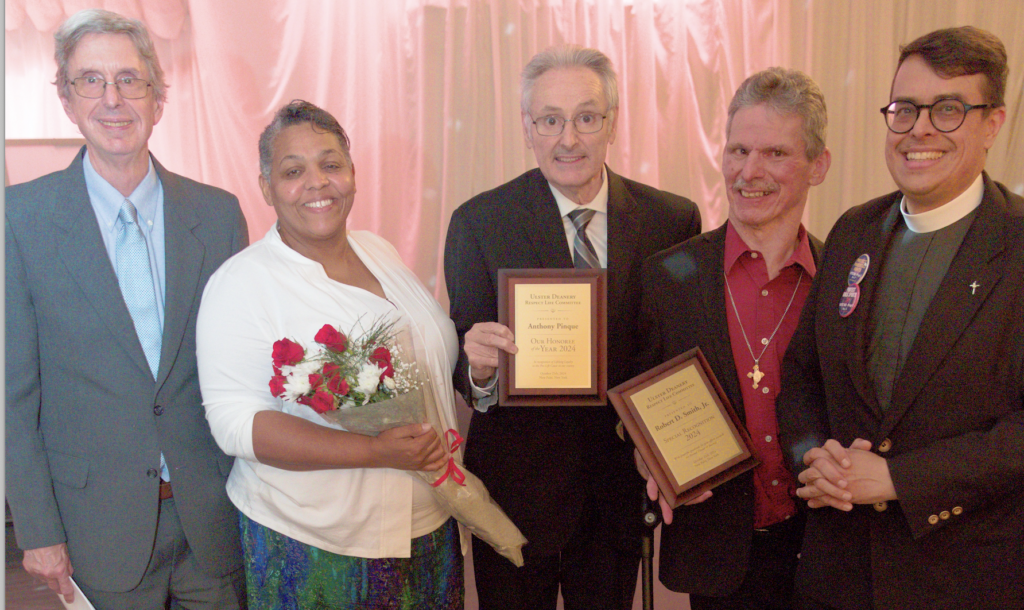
(787, 92)
(570, 56)
(99, 21)
(299, 112)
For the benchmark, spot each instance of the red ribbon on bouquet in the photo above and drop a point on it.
(454, 441)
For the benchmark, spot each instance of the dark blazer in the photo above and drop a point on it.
(684, 307)
(545, 464)
(85, 420)
(953, 435)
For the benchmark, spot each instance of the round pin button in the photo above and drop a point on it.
(848, 302)
(858, 270)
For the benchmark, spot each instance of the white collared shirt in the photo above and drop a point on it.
(597, 228)
(148, 199)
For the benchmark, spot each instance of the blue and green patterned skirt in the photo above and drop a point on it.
(285, 574)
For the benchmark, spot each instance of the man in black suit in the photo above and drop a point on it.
(561, 473)
(736, 292)
(112, 473)
(903, 392)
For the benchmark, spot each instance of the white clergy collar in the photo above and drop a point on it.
(945, 215)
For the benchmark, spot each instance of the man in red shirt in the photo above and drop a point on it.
(736, 292)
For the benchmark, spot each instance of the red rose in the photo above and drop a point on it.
(338, 385)
(381, 355)
(277, 385)
(287, 353)
(382, 358)
(335, 382)
(330, 338)
(315, 381)
(322, 401)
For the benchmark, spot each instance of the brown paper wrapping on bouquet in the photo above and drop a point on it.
(468, 501)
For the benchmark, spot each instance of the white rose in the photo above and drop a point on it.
(368, 379)
(389, 382)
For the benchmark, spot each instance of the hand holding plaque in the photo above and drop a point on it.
(683, 427)
(559, 319)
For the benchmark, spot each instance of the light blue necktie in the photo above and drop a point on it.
(584, 256)
(135, 276)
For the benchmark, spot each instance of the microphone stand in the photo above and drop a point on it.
(652, 519)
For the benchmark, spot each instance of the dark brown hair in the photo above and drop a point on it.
(964, 51)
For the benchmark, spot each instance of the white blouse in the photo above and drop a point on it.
(268, 292)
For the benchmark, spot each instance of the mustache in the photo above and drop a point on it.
(757, 185)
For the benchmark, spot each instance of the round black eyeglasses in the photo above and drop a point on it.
(946, 115)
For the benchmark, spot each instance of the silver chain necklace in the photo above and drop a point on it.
(756, 374)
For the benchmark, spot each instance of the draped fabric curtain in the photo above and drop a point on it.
(429, 90)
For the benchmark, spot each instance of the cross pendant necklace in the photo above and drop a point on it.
(756, 374)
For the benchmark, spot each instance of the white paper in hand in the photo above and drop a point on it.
(80, 603)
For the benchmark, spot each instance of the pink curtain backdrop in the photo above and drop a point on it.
(428, 90)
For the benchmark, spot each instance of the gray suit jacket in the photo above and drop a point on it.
(86, 422)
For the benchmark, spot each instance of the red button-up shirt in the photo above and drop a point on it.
(761, 304)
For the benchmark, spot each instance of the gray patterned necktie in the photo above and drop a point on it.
(584, 256)
(135, 277)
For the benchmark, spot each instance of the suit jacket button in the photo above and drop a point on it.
(944, 515)
(933, 519)
(158, 410)
(881, 506)
(957, 510)
(152, 473)
(885, 446)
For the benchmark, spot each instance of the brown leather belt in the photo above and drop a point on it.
(165, 490)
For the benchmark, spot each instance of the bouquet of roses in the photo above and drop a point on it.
(371, 384)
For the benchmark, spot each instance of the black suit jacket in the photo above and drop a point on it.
(953, 435)
(684, 307)
(544, 465)
(86, 421)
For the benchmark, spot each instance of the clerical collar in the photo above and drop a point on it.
(945, 215)
(599, 204)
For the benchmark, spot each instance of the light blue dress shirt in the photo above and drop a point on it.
(148, 199)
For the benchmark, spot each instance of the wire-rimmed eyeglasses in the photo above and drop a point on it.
(129, 87)
(584, 122)
(946, 114)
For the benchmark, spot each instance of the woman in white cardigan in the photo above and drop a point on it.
(328, 518)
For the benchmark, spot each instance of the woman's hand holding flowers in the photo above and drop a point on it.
(412, 447)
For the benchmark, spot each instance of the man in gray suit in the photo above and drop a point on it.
(112, 473)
